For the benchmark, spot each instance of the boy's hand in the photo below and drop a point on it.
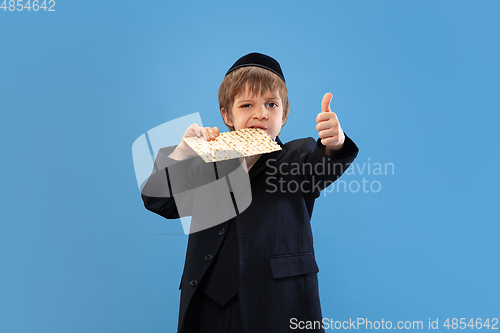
(331, 134)
(208, 133)
(183, 150)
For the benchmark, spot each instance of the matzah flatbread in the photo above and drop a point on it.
(233, 144)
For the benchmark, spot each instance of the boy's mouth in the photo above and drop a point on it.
(258, 126)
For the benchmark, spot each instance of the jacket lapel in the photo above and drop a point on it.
(267, 159)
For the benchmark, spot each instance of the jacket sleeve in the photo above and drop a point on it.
(167, 180)
(320, 170)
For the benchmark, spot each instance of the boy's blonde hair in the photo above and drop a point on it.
(259, 81)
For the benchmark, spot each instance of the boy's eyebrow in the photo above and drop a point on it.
(251, 100)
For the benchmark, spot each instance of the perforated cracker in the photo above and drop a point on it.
(233, 144)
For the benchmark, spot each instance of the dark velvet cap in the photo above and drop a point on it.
(258, 60)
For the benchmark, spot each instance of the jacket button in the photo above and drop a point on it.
(222, 231)
(193, 283)
(208, 257)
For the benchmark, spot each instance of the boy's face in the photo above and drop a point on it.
(264, 111)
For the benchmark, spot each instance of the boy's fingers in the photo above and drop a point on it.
(324, 116)
(210, 133)
(204, 132)
(193, 129)
(325, 103)
(323, 125)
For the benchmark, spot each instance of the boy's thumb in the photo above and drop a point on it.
(325, 104)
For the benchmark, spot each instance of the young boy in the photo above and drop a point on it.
(255, 272)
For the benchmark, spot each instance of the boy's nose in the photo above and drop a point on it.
(260, 114)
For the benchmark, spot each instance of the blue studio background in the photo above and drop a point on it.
(415, 85)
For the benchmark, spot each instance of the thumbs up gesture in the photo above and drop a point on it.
(329, 131)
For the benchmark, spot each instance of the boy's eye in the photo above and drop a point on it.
(272, 104)
(246, 105)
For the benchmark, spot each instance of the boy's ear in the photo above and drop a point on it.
(284, 121)
(226, 117)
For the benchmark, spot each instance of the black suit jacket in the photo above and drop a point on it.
(277, 266)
